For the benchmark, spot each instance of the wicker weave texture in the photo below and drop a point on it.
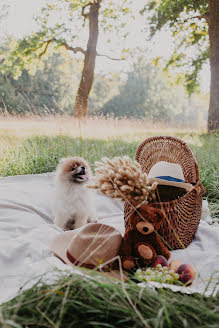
(183, 214)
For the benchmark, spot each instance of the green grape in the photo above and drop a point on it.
(165, 268)
(158, 266)
(176, 276)
(140, 277)
(168, 277)
(138, 272)
(172, 272)
(159, 274)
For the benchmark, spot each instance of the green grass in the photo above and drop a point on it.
(35, 154)
(79, 302)
(75, 301)
(206, 151)
(41, 154)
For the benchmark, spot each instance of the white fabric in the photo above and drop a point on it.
(26, 229)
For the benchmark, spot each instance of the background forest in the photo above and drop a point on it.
(46, 82)
(144, 91)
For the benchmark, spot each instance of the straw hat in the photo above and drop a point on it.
(88, 246)
(168, 174)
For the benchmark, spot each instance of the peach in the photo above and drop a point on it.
(187, 273)
(160, 260)
(174, 265)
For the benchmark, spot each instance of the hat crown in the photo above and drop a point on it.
(94, 243)
(161, 169)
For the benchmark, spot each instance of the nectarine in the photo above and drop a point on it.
(174, 265)
(186, 273)
(160, 260)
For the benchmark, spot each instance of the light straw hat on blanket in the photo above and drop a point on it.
(168, 174)
(88, 246)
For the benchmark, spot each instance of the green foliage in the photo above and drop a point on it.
(29, 53)
(114, 16)
(104, 88)
(207, 155)
(146, 93)
(41, 154)
(171, 12)
(77, 300)
(50, 90)
(60, 23)
(189, 31)
(10, 100)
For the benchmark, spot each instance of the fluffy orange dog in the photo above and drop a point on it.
(74, 203)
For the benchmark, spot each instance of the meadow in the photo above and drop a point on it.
(34, 145)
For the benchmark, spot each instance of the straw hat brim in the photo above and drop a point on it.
(59, 246)
(184, 185)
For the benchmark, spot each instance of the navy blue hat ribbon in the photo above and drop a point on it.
(168, 178)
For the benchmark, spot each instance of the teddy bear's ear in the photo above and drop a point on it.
(132, 218)
(160, 215)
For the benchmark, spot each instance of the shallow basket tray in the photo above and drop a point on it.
(182, 215)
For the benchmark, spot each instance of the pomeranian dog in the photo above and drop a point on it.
(74, 203)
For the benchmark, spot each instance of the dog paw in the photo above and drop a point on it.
(91, 220)
(70, 224)
(145, 252)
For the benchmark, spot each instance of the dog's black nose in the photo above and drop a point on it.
(82, 168)
(145, 229)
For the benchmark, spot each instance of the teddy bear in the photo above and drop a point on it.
(141, 243)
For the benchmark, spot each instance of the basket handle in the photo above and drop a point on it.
(197, 171)
(199, 188)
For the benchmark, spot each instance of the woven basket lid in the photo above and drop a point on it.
(168, 149)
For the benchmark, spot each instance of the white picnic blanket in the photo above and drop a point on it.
(27, 227)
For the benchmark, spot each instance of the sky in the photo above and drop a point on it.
(20, 19)
(20, 22)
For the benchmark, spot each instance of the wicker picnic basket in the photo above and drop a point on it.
(182, 214)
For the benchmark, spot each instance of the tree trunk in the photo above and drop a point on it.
(213, 21)
(80, 110)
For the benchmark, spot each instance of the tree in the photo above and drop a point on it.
(194, 24)
(72, 14)
(49, 91)
(145, 94)
(105, 87)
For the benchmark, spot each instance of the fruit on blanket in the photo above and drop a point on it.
(159, 274)
(187, 273)
(160, 260)
(174, 265)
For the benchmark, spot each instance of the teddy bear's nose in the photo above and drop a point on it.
(145, 229)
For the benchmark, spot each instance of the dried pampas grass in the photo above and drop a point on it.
(120, 178)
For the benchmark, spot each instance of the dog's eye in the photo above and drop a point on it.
(141, 220)
(74, 168)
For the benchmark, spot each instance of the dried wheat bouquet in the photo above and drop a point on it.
(122, 179)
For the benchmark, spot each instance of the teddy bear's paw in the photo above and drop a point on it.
(128, 264)
(145, 252)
